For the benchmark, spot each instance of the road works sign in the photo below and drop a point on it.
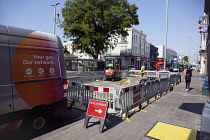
(97, 108)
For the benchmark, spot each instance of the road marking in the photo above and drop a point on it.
(128, 120)
(155, 99)
(148, 104)
(140, 110)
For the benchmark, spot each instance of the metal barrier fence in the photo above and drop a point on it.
(178, 79)
(100, 93)
(74, 91)
(130, 97)
(172, 79)
(151, 90)
(163, 74)
(150, 73)
(164, 85)
(125, 99)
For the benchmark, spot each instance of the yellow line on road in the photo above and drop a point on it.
(140, 110)
(156, 100)
(148, 104)
(128, 120)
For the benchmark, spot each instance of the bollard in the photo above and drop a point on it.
(205, 119)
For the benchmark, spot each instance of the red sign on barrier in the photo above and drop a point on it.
(97, 108)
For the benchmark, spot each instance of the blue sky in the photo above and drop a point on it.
(183, 16)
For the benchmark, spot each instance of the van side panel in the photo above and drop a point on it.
(6, 102)
(38, 79)
(6, 105)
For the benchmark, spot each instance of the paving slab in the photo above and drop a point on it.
(179, 107)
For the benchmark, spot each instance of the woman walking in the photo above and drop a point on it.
(188, 75)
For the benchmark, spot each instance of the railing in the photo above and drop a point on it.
(125, 99)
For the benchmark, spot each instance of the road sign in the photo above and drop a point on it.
(97, 108)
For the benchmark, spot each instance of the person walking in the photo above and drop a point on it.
(188, 75)
(142, 70)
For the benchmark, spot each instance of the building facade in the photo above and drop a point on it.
(169, 53)
(131, 50)
(68, 46)
(203, 32)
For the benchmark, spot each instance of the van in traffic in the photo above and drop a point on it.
(33, 84)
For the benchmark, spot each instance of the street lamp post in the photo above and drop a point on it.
(190, 48)
(166, 33)
(54, 27)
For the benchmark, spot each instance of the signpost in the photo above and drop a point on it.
(96, 109)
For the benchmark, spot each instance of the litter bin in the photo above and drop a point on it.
(205, 119)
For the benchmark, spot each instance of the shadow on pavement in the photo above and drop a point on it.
(193, 107)
(56, 123)
(113, 121)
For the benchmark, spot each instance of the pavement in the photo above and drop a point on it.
(178, 107)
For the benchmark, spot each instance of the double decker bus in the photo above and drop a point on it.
(159, 63)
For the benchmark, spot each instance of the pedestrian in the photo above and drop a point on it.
(142, 70)
(188, 75)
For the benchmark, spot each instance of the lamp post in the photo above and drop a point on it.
(166, 33)
(54, 27)
(190, 48)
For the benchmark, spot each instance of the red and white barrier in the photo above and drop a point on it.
(130, 97)
(74, 89)
(102, 94)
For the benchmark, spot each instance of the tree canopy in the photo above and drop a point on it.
(185, 58)
(91, 23)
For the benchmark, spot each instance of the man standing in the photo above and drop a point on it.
(142, 70)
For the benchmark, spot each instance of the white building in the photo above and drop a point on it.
(68, 46)
(161, 50)
(169, 53)
(132, 49)
(203, 31)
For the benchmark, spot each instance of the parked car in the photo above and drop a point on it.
(130, 67)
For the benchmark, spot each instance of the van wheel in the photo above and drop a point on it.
(36, 122)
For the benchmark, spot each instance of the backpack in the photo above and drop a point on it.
(188, 77)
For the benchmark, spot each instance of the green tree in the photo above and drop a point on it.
(91, 23)
(185, 58)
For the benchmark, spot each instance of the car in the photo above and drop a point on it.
(130, 67)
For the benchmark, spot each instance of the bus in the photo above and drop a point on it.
(174, 65)
(159, 63)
